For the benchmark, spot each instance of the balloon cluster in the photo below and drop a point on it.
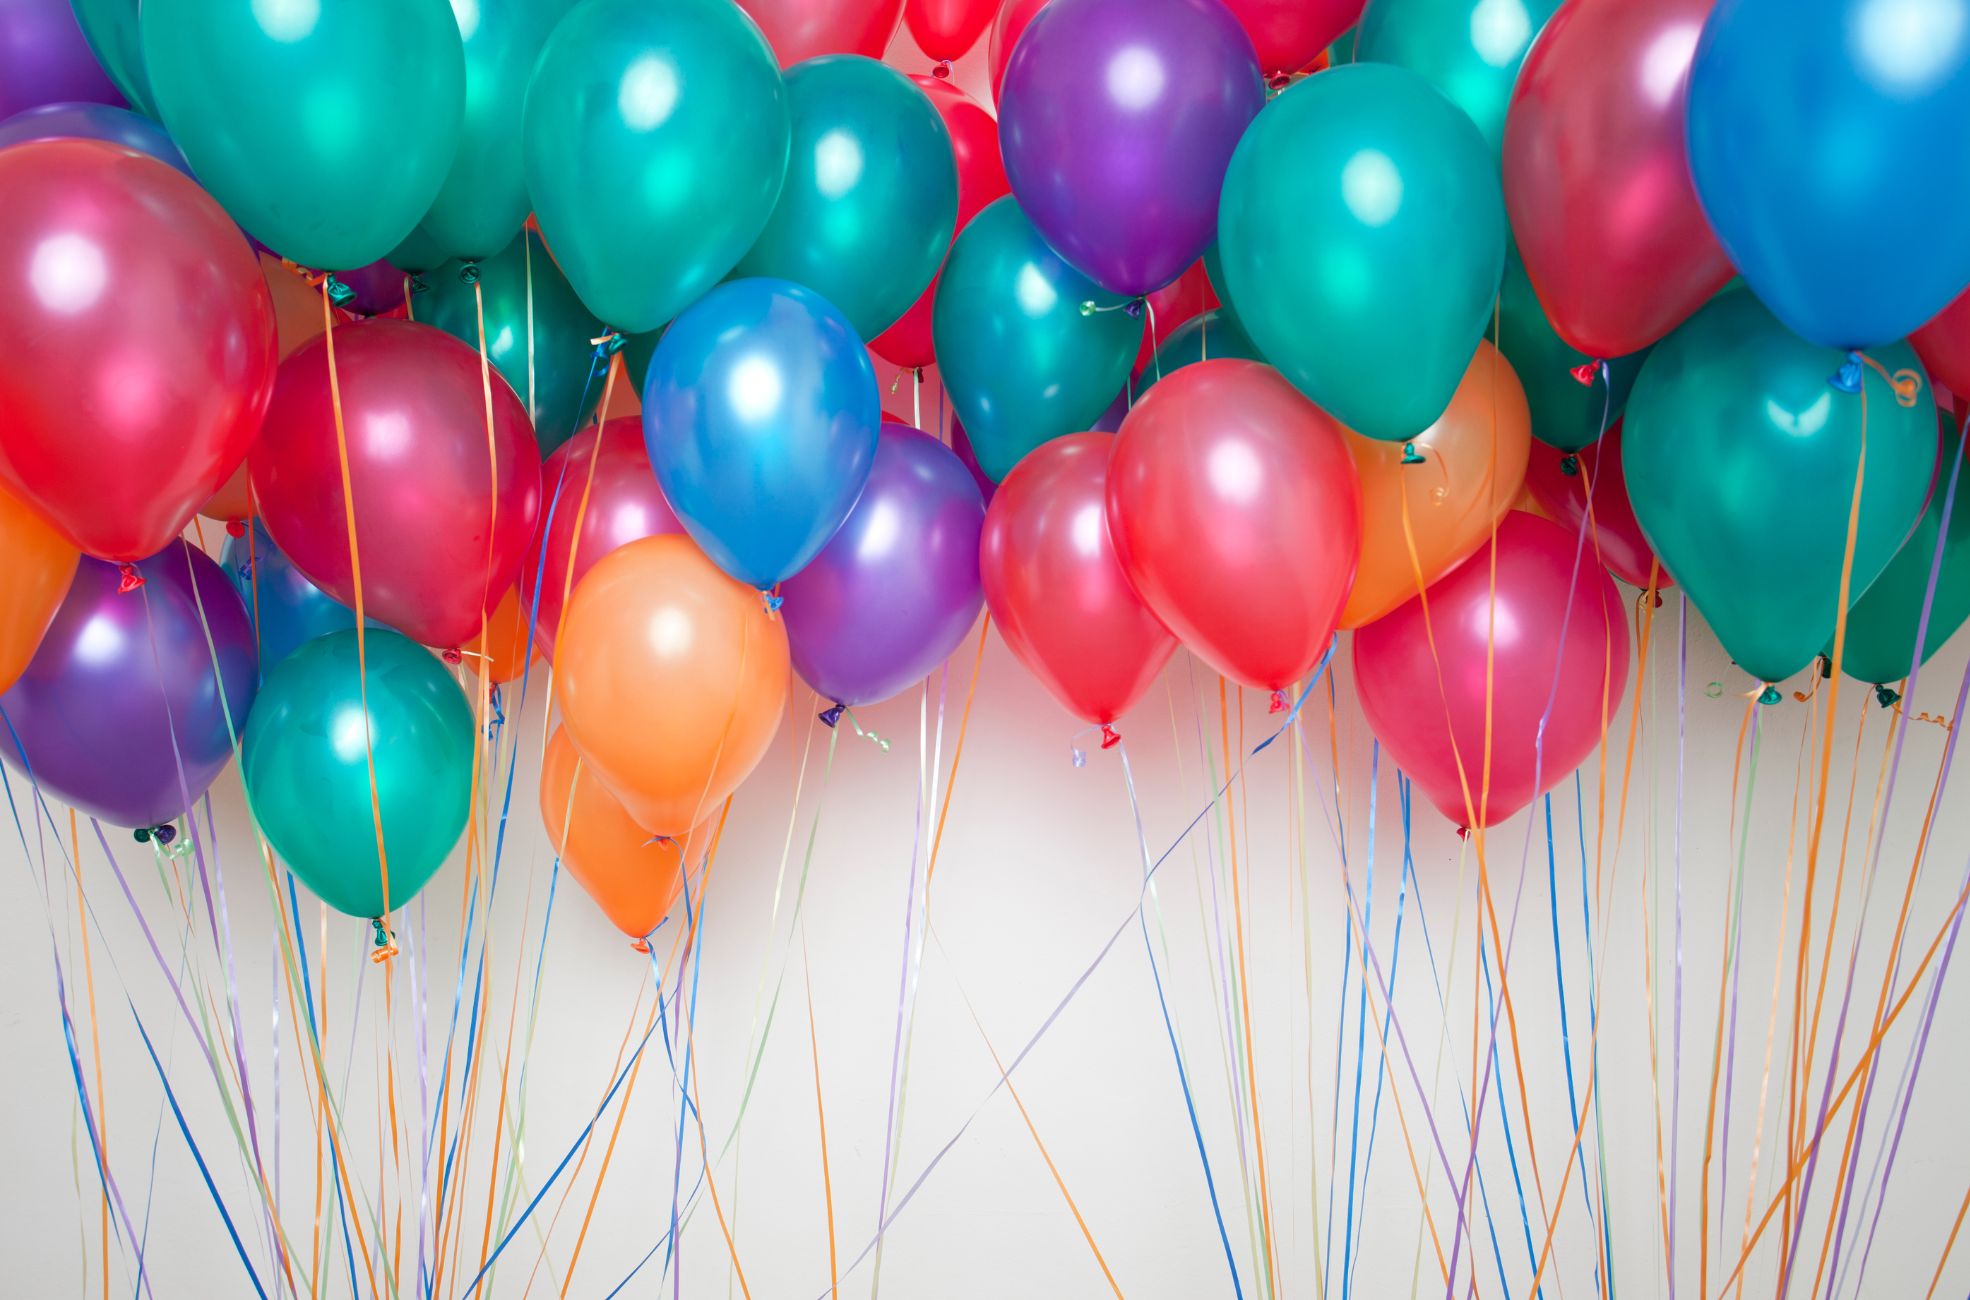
(530, 329)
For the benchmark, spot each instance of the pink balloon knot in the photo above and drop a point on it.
(1583, 374)
(1463, 832)
(235, 528)
(1109, 736)
(941, 70)
(130, 579)
(451, 656)
(1278, 704)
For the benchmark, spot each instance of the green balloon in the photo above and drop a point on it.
(1741, 457)
(1362, 233)
(110, 27)
(1207, 336)
(549, 359)
(324, 129)
(306, 766)
(1468, 49)
(656, 140)
(1029, 348)
(871, 197)
(1343, 51)
(1566, 413)
(1882, 624)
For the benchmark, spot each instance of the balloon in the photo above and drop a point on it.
(45, 60)
(537, 332)
(287, 611)
(127, 711)
(380, 288)
(1007, 27)
(609, 505)
(1056, 588)
(419, 442)
(1201, 338)
(1183, 299)
(1615, 536)
(110, 26)
(1290, 34)
(1944, 345)
(1741, 462)
(1468, 49)
(1362, 238)
(1021, 355)
(139, 344)
(93, 122)
(1233, 506)
(1826, 142)
(483, 202)
(1597, 176)
(671, 679)
(761, 416)
(961, 448)
(502, 651)
(417, 252)
(633, 876)
(1116, 120)
(40, 563)
(945, 29)
(1472, 466)
(1881, 627)
(801, 29)
(656, 140)
(1566, 413)
(1511, 684)
(325, 130)
(312, 745)
(871, 195)
(896, 590)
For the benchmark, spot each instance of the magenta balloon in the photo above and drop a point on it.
(1117, 119)
(44, 58)
(120, 712)
(894, 592)
(961, 444)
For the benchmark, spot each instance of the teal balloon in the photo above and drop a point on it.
(1882, 625)
(548, 358)
(1740, 458)
(484, 198)
(417, 253)
(110, 27)
(1342, 51)
(1566, 413)
(325, 129)
(1214, 272)
(655, 142)
(1208, 336)
(1362, 233)
(871, 198)
(1029, 348)
(306, 767)
(1468, 49)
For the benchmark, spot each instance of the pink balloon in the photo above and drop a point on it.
(1558, 638)
(1011, 21)
(1289, 34)
(946, 29)
(804, 29)
(1055, 588)
(1623, 549)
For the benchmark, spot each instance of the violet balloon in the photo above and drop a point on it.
(121, 712)
(1117, 119)
(44, 58)
(894, 592)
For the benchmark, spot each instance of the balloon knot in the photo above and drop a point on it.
(1888, 696)
(1463, 832)
(384, 949)
(1410, 456)
(1278, 704)
(1770, 695)
(1847, 378)
(235, 528)
(452, 656)
(607, 345)
(1570, 465)
(1109, 736)
(141, 834)
(338, 293)
(1584, 373)
(1088, 307)
(640, 945)
(1824, 665)
(830, 716)
(468, 273)
(129, 579)
(773, 602)
(417, 283)
(941, 70)
(164, 834)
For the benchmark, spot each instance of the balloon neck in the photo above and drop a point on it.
(831, 715)
(452, 655)
(1888, 696)
(941, 70)
(1278, 704)
(1586, 372)
(1109, 736)
(235, 528)
(468, 273)
(383, 948)
(1847, 378)
(1570, 465)
(1410, 456)
(128, 579)
(1770, 695)
(640, 945)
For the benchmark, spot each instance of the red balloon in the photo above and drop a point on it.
(1597, 178)
(138, 340)
(805, 29)
(1011, 21)
(430, 483)
(1289, 34)
(1233, 504)
(981, 179)
(946, 29)
(1944, 346)
(1189, 295)
(1623, 549)
(624, 503)
(1554, 637)
(1055, 587)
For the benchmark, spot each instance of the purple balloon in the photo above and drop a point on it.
(123, 677)
(896, 589)
(45, 60)
(82, 121)
(1117, 119)
(961, 445)
(378, 287)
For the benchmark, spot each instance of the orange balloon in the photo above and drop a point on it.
(632, 875)
(1472, 469)
(671, 677)
(33, 579)
(502, 651)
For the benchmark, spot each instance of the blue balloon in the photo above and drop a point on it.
(93, 122)
(1830, 145)
(287, 610)
(761, 416)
